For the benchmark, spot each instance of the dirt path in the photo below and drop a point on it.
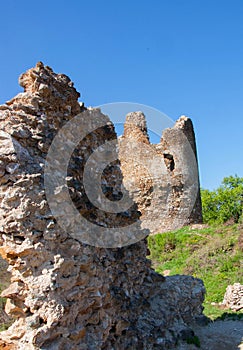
(219, 335)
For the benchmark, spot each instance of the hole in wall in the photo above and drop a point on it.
(169, 161)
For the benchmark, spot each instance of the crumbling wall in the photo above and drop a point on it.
(65, 294)
(163, 178)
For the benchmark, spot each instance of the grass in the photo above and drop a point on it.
(212, 254)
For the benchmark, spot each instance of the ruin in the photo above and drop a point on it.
(165, 175)
(64, 293)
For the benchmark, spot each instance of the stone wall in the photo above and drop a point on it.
(162, 178)
(65, 294)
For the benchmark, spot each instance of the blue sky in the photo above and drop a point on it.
(178, 56)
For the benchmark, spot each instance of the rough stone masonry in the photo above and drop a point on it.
(165, 175)
(65, 294)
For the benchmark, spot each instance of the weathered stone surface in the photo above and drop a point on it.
(233, 298)
(66, 294)
(163, 178)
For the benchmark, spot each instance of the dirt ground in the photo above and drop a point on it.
(218, 335)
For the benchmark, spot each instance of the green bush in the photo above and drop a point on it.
(224, 203)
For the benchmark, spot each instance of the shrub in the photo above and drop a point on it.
(224, 203)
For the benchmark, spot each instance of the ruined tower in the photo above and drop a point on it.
(164, 176)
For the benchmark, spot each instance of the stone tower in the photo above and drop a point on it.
(163, 178)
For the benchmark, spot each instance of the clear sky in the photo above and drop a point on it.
(178, 56)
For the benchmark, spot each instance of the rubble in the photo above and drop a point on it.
(233, 298)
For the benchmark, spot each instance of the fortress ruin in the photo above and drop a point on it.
(66, 294)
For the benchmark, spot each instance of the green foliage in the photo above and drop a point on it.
(194, 340)
(212, 254)
(4, 326)
(224, 203)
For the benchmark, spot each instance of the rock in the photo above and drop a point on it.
(65, 293)
(233, 298)
(7, 346)
(12, 167)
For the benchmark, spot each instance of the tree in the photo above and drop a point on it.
(224, 203)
